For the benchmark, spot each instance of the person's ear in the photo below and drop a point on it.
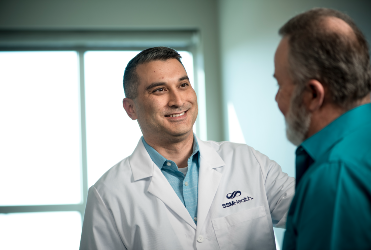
(129, 108)
(314, 96)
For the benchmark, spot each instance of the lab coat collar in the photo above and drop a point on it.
(144, 164)
(209, 155)
(141, 163)
(143, 167)
(209, 178)
(210, 175)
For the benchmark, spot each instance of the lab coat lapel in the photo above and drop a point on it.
(143, 167)
(209, 179)
(161, 188)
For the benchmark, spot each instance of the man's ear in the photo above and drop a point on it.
(314, 95)
(129, 108)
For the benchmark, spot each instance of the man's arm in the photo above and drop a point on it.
(99, 229)
(279, 187)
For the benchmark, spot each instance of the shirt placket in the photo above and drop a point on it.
(171, 167)
(302, 162)
(187, 185)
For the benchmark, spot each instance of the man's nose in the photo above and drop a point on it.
(175, 99)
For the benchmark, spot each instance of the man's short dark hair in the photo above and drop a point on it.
(340, 61)
(152, 54)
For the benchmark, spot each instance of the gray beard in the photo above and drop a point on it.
(297, 119)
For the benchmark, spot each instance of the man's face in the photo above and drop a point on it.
(166, 105)
(288, 97)
(281, 73)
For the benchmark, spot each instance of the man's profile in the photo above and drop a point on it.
(322, 66)
(176, 191)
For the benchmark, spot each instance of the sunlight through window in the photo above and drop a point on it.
(40, 128)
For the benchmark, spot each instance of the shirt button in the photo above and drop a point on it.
(186, 183)
(200, 238)
(168, 163)
(195, 218)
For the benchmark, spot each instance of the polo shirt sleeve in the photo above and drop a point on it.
(331, 210)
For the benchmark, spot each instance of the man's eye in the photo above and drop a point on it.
(159, 90)
(184, 85)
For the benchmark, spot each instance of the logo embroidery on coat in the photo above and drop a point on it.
(237, 201)
(234, 194)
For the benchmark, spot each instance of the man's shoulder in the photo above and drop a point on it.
(227, 145)
(222, 145)
(338, 169)
(330, 184)
(353, 149)
(246, 153)
(226, 148)
(118, 175)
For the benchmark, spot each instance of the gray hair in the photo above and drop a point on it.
(341, 62)
(152, 54)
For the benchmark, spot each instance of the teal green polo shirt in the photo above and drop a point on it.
(331, 208)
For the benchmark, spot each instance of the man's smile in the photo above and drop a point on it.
(177, 114)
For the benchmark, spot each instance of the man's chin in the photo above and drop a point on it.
(180, 133)
(296, 129)
(293, 136)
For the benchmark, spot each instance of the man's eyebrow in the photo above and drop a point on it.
(184, 78)
(155, 84)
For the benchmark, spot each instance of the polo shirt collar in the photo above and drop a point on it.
(158, 159)
(323, 140)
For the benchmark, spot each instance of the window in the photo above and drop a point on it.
(62, 127)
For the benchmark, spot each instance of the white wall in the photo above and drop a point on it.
(130, 15)
(248, 40)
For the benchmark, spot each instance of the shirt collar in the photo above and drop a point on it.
(158, 159)
(323, 140)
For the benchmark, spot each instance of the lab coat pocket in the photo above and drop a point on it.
(246, 229)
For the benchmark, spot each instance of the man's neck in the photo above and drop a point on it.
(328, 114)
(177, 151)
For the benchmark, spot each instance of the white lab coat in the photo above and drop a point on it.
(133, 206)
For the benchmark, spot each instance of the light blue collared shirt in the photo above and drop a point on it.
(185, 186)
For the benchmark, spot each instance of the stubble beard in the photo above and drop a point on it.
(169, 134)
(191, 114)
(298, 119)
(178, 135)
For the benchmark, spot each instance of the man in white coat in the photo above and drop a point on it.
(176, 191)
